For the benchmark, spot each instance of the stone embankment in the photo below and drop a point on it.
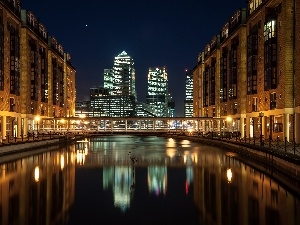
(18, 146)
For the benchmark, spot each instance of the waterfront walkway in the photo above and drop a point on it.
(255, 142)
(252, 147)
(276, 146)
(18, 145)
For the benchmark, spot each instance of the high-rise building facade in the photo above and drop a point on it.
(108, 76)
(157, 97)
(124, 75)
(39, 78)
(104, 104)
(188, 102)
(248, 75)
(117, 97)
(171, 108)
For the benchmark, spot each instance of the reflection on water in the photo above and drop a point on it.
(230, 192)
(157, 179)
(38, 189)
(141, 180)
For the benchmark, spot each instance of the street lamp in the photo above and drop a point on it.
(261, 115)
(37, 119)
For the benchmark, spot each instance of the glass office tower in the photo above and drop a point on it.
(124, 75)
(117, 97)
(157, 97)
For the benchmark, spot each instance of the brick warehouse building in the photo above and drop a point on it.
(37, 78)
(249, 75)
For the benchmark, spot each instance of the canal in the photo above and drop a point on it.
(141, 180)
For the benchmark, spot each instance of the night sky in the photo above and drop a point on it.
(154, 33)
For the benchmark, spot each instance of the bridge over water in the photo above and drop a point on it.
(133, 124)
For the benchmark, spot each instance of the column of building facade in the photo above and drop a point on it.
(3, 128)
(286, 126)
(242, 125)
(288, 58)
(296, 66)
(242, 82)
(297, 127)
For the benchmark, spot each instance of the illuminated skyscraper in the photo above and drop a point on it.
(157, 97)
(124, 75)
(188, 102)
(117, 97)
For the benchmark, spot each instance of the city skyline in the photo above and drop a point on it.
(159, 33)
(119, 85)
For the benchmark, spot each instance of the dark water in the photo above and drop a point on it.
(141, 180)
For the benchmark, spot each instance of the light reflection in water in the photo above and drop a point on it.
(37, 186)
(80, 156)
(171, 143)
(37, 174)
(186, 143)
(82, 151)
(62, 162)
(208, 173)
(41, 185)
(121, 187)
(157, 180)
(120, 179)
(229, 175)
(171, 152)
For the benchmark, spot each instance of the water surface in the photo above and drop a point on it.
(141, 180)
